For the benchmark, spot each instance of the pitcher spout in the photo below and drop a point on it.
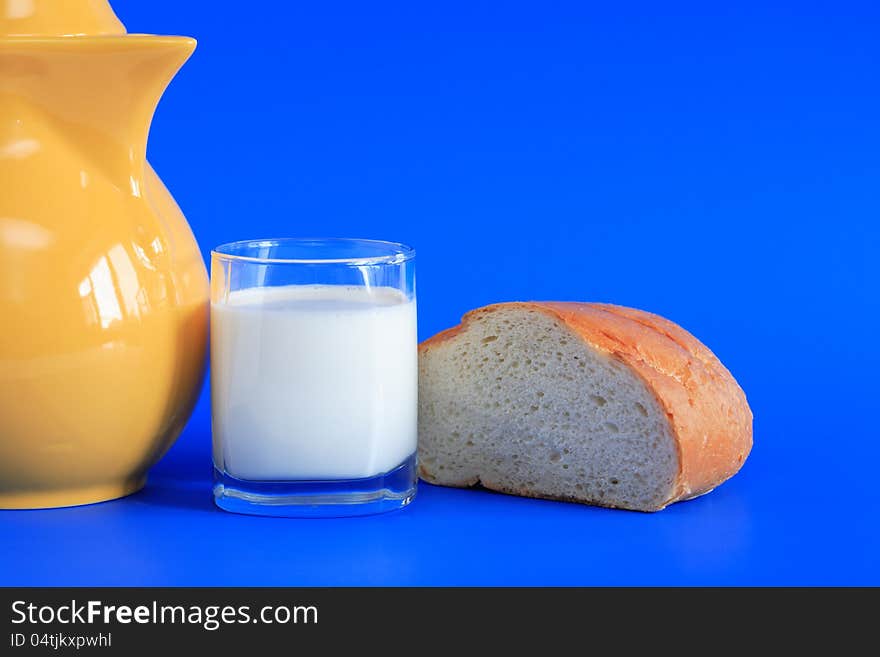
(100, 93)
(58, 18)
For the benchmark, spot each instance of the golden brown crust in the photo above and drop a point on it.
(708, 412)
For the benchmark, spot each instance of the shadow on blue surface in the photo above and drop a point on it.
(185, 494)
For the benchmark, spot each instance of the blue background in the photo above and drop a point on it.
(715, 164)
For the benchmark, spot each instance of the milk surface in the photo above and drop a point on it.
(313, 382)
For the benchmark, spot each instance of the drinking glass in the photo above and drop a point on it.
(314, 376)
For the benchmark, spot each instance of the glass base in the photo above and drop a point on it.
(318, 499)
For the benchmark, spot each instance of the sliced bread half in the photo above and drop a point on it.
(591, 403)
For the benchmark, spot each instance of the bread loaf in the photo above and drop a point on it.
(584, 402)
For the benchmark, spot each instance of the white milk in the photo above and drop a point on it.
(313, 382)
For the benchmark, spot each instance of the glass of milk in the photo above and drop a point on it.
(314, 376)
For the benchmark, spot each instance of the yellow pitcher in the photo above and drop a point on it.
(103, 291)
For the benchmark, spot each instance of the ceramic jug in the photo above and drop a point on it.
(103, 291)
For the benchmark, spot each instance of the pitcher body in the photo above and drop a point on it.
(103, 291)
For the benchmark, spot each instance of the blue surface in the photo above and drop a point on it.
(715, 165)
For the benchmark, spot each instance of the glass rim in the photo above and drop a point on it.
(398, 253)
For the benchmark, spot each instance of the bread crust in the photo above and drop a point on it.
(709, 416)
